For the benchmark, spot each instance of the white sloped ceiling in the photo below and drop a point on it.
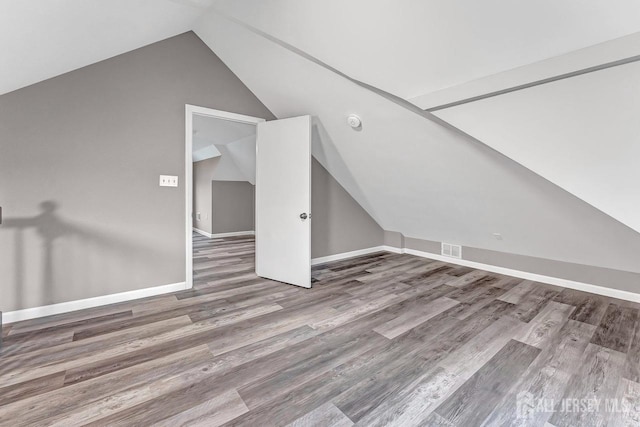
(226, 168)
(416, 176)
(593, 56)
(243, 153)
(40, 39)
(581, 133)
(233, 142)
(485, 47)
(414, 47)
(205, 152)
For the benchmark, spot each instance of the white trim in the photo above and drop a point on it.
(188, 190)
(565, 283)
(345, 255)
(231, 234)
(224, 115)
(189, 111)
(65, 307)
(234, 233)
(393, 249)
(203, 233)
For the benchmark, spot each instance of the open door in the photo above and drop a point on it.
(283, 200)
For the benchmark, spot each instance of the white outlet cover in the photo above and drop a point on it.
(168, 181)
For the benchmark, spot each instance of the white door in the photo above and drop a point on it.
(283, 200)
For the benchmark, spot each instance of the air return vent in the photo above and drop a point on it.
(453, 251)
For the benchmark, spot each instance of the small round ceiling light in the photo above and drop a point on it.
(354, 121)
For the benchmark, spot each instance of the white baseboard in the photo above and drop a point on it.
(232, 234)
(565, 283)
(202, 232)
(65, 307)
(235, 233)
(393, 249)
(346, 255)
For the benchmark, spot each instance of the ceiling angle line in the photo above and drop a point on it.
(552, 79)
(387, 95)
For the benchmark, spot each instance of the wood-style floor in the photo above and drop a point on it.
(380, 340)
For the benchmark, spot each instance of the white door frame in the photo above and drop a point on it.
(190, 111)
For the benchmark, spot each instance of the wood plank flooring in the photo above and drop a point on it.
(380, 340)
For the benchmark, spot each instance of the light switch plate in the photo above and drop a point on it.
(168, 181)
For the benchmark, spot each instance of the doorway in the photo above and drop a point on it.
(227, 141)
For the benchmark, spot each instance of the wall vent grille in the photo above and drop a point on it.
(453, 251)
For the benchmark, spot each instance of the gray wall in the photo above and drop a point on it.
(606, 277)
(394, 239)
(80, 159)
(339, 224)
(233, 206)
(224, 206)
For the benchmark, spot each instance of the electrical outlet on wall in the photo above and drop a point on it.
(168, 181)
(197, 216)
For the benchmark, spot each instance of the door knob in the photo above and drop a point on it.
(303, 216)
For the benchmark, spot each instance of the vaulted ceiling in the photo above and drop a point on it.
(233, 142)
(40, 39)
(551, 167)
(413, 174)
(415, 47)
(581, 133)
